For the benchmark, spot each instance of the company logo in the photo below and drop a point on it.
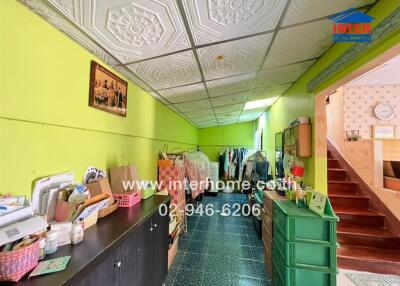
(351, 26)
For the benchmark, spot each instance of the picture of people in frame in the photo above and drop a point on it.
(108, 92)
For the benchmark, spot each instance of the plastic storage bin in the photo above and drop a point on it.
(128, 199)
(301, 223)
(301, 275)
(305, 252)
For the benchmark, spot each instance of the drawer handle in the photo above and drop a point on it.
(155, 225)
(118, 264)
(151, 228)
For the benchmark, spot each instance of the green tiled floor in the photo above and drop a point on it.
(219, 251)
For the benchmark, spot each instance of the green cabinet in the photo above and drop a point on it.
(304, 246)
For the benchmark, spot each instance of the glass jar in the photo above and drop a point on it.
(77, 232)
(51, 242)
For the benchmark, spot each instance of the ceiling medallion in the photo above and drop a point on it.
(227, 12)
(134, 26)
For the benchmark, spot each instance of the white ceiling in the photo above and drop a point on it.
(387, 73)
(202, 58)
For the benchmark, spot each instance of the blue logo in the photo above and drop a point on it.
(351, 26)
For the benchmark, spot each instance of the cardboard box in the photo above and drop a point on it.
(64, 230)
(102, 186)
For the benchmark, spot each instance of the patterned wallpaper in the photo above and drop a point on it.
(359, 103)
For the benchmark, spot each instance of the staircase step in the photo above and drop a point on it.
(329, 154)
(341, 187)
(333, 163)
(366, 236)
(350, 200)
(369, 259)
(350, 215)
(337, 174)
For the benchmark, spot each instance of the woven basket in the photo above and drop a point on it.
(108, 210)
(15, 264)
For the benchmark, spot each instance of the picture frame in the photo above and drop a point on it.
(383, 131)
(107, 91)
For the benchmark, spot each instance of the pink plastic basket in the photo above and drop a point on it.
(128, 199)
(15, 264)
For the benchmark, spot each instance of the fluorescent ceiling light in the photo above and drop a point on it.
(259, 103)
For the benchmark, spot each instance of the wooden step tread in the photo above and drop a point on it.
(356, 212)
(337, 170)
(342, 182)
(369, 254)
(348, 195)
(379, 232)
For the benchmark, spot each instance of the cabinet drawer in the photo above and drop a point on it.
(267, 227)
(268, 205)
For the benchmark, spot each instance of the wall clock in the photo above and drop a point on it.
(383, 111)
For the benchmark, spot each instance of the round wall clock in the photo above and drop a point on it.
(383, 111)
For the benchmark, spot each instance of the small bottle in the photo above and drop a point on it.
(77, 232)
(51, 242)
(42, 248)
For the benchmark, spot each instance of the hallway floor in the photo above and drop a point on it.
(219, 250)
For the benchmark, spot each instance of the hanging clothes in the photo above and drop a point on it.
(231, 162)
(256, 169)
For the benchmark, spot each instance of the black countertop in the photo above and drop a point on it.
(99, 241)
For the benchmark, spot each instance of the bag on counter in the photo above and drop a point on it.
(121, 174)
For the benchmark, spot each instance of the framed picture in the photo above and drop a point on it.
(107, 91)
(384, 131)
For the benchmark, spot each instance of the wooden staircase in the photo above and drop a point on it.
(365, 243)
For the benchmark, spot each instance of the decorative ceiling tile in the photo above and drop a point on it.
(300, 43)
(268, 92)
(208, 113)
(207, 124)
(206, 121)
(233, 58)
(230, 85)
(193, 106)
(158, 97)
(169, 71)
(306, 10)
(130, 30)
(69, 29)
(217, 20)
(127, 73)
(229, 99)
(281, 75)
(229, 108)
(184, 93)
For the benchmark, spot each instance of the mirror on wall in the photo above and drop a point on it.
(279, 173)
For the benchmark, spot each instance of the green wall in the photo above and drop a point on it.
(46, 125)
(297, 101)
(212, 140)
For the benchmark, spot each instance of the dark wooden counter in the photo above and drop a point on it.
(102, 241)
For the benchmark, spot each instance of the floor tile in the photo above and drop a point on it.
(185, 277)
(194, 261)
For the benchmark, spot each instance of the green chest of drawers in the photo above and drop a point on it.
(304, 246)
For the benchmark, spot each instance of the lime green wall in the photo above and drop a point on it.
(297, 101)
(213, 139)
(46, 125)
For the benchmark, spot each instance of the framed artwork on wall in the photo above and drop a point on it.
(383, 131)
(107, 91)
